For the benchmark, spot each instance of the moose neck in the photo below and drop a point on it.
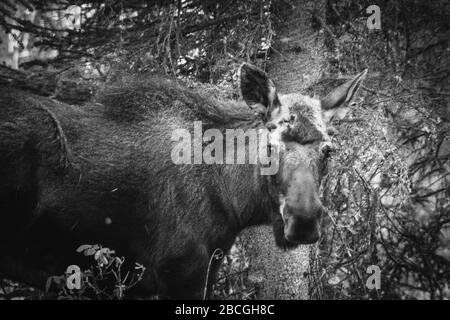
(246, 193)
(249, 194)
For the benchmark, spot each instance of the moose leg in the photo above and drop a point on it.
(183, 276)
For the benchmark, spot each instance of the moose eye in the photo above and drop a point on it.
(291, 119)
(327, 150)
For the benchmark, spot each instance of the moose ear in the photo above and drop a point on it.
(257, 89)
(335, 103)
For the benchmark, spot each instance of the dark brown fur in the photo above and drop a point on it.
(65, 169)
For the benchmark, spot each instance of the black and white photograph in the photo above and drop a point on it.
(224, 150)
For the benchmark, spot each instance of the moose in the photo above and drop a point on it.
(102, 173)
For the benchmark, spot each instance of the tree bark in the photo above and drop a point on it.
(297, 62)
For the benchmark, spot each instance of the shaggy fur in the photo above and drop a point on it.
(67, 169)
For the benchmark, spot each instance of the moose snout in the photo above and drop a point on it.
(301, 228)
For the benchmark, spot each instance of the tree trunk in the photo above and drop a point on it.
(297, 62)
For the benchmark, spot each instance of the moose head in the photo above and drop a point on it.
(300, 129)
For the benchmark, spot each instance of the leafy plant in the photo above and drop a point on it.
(104, 280)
